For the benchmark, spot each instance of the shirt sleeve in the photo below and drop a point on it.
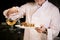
(21, 13)
(21, 10)
(55, 23)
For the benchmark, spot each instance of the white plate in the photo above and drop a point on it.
(23, 26)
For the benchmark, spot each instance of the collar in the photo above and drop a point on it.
(45, 3)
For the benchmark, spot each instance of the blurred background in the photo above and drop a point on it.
(16, 34)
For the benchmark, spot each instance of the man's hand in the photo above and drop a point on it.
(40, 29)
(7, 13)
(11, 11)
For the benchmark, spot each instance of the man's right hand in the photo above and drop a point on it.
(10, 11)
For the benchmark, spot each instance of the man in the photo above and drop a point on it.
(42, 14)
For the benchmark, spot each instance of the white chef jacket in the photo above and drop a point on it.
(47, 15)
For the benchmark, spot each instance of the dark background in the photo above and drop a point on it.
(5, 4)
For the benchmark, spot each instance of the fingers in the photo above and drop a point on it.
(40, 29)
(10, 11)
(13, 10)
(5, 12)
(41, 26)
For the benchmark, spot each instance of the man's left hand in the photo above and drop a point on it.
(40, 29)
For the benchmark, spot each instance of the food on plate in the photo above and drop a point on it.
(27, 24)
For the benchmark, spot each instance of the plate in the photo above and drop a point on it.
(23, 26)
